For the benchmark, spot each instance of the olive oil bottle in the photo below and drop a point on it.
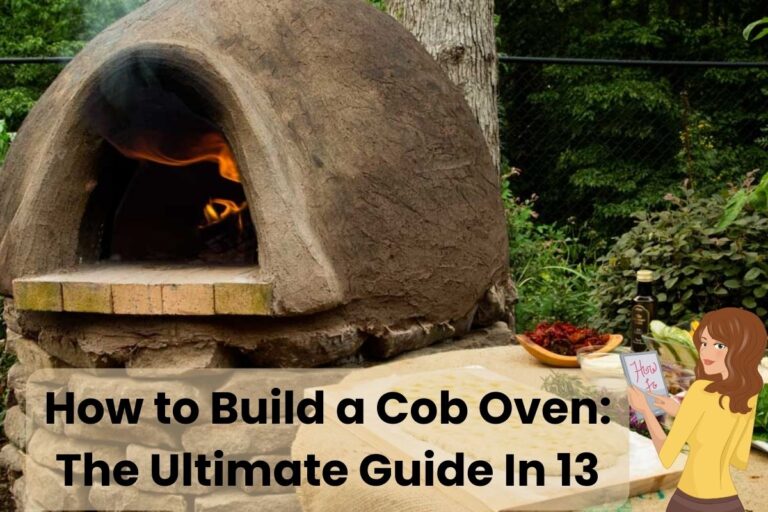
(643, 310)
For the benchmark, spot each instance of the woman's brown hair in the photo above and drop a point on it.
(745, 336)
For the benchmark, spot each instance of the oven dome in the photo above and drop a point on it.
(368, 180)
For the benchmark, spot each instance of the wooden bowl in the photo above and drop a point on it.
(552, 359)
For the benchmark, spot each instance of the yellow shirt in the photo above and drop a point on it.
(717, 437)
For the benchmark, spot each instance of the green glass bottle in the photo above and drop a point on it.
(643, 310)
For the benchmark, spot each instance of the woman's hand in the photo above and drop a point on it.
(639, 403)
(637, 400)
(667, 404)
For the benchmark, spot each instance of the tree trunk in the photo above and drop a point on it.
(460, 36)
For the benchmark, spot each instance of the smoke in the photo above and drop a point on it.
(99, 14)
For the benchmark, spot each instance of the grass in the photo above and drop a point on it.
(555, 292)
(547, 264)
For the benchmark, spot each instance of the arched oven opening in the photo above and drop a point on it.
(169, 188)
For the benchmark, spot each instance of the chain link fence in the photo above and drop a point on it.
(592, 141)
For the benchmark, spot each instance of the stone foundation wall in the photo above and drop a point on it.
(38, 479)
(49, 343)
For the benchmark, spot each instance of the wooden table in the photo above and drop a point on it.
(752, 483)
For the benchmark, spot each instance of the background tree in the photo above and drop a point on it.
(31, 28)
(590, 144)
(593, 144)
(459, 34)
(597, 143)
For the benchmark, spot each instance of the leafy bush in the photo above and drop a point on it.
(628, 135)
(750, 29)
(5, 141)
(549, 286)
(54, 27)
(699, 267)
(757, 198)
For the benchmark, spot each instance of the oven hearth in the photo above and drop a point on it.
(287, 186)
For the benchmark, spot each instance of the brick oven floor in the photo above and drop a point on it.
(150, 289)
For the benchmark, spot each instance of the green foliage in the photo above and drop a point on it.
(752, 26)
(34, 28)
(579, 109)
(379, 4)
(699, 267)
(5, 141)
(53, 27)
(756, 197)
(549, 285)
(761, 416)
(628, 135)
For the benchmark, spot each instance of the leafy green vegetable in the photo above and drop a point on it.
(673, 344)
(761, 416)
(662, 331)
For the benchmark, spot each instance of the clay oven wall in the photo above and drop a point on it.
(368, 179)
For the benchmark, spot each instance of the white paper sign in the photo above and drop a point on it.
(643, 369)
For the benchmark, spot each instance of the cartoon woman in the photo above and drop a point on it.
(716, 416)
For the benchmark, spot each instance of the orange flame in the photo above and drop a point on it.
(219, 209)
(211, 147)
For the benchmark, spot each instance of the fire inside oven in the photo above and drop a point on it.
(169, 188)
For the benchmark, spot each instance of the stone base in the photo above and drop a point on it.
(48, 342)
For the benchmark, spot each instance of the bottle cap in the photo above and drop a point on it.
(645, 276)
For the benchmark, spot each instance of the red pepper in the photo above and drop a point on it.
(565, 338)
